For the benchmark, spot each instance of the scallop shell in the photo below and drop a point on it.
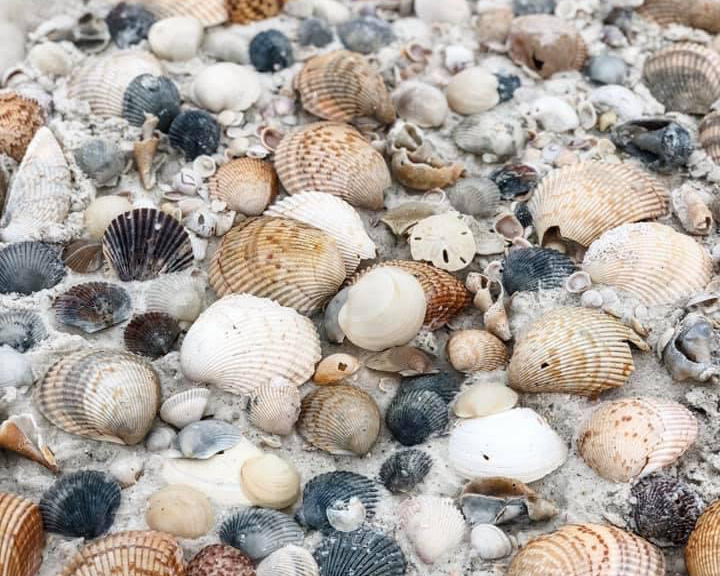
(21, 434)
(245, 11)
(415, 414)
(179, 510)
(28, 267)
(335, 368)
(220, 560)
(21, 536)
(83, 256)
(364, 552)
(246, 185)
(333, 158)
(633, 437)
(195, 133)
(434, 526)
(152, 334)
(710, 135)
(573, 351)
(148, 95)
(288, 561)
(704, 14)
(202, 440)
(21, 329)
(404, 470)
(444, 384)
(101, 394)
(185, 407)
(209, 12)
(403, 360)
(181, 296)
(341, 420)
(270, 482)
(485, 399)
(274, 407)
(259, 532)
(93, 306)
(588, 549)
(530, 269)
(445, 240)
(20, 119)
(651, 261)
(701, 553)
(476, 350)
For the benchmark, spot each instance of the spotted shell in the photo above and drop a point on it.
(702, 555)
(220, 560)
(246, 185)
(473, 350)
(209, 12)
(244, 11)
(290, 560)
(20, 119)
(433, 524)
(704, 14)
(21, 536)
(710, 135)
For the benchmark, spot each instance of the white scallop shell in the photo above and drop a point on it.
(274, 407)
(289, 561)
(181, 296)
(485, 399)
(445, 240)
(490, 542)
(185, 407)
(226, 86)
(433, 524)
(270, 482)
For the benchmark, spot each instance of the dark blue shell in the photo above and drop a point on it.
(271, 51)
(365, 552)
(523, 214)
(507, 84)
(404, 470)
(258, 532)
(532, 269)
(314, 32)
(366, 34)
(444, 384)
(21, 329)
(515, 180)
(129, 24)
(195, 133)
(28, 267)
(154, 95)
(414, 415)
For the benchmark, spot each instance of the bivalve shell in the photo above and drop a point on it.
(181, 511)
(246, 185)
(421, 104)
(403, 360)
(433, 524)
(259, 532)
(531, 269)
(151, 95)
(288, 561)
(335, 368)
(20, 119)
(404, 470)
(21, 536)
(226, 86)
(490, 542)
(186, 407)
(152, 334)
(484, 400)
(195, 133)
(209, 12)
(415, 414)
(476, 350)
(270, 482)
(21, 329)
(710, 135)
(203, 439)
(181, 296)
(220, 560)
(245, 11)
(83, 256)
(93, 306)
(704, 14)
(701, 553)
(274, 407)
(364, 552)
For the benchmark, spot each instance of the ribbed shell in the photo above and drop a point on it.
(580, 202)
(209, 12)
(181, 296)
(573, 351)
(288, 561)
(246, 185)
(295, 264)
(27, 267)
(259, 532)
(20, 119)
(476, 350)
(21, 536)
(342, 86)
(274, 407)
(21, 329)
(684, 77)
(153, 95)
(364, 552)
(140, 553)
(651, 261)
(196, 133)
(186, 407)
(710, 135)
(633, 437)
(152, 334)
(83, 256)
(333, 158)
(531, 269)
(588, 549)
(704, 14)
(434, 526)
(93, 306)
(220, 560)
(416, 414)
(101, 394)
(404, 470)
(244, 11)
(702, 554)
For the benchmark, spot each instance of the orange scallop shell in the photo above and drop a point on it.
(21, 536)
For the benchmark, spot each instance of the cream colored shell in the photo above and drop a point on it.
(484, 399)
(476, 350)
(226, 86)
(21, 536)
(270, 482)
(181, 511)
(274, 407)
(246, 185)
(102, 211)
(335, 368)
(434, 526)
(181, 296)
(445, 240)
(702, 554)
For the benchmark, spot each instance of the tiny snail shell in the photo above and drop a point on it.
(473, 350)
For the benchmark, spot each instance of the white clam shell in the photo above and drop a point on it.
(472, 91)
(270, 482)
(177, 38)
(421, 104)
(127, 470)
(484, 400)
(185, 407)
(490, 542)
(181, 511)
(181, 296)
(226, 86)
(445, 240)
(433, 524)
(290, 560)
(16, 368)
(555, 114)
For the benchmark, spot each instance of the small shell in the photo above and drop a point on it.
(433, 525)
(687, 355)
(246, 185)
(210, 13)
(20, 119)
(476, 350)
(364, 552)
(274, 407)
(421, 104)
(152, 334)
(475, 196)
(195, 133)
(186, 407)
(693, 213)
(28, 267)
(490, 542)
(21, 536)
(704, 14)
(181, 296)
(83, 256)
(127, 470)
(288, 561)
(403, 360)
(491, 133)
(21, 434)
(415, 414)
(365, 34)
(419, 173)
(177, 38)
(179, 510)
(701, 553)
(259, 532)
(21, 329)
(452, 11)
(154, 96)
(404, 470)
(270, 51)
(661, 143)
(335, 368)
(102, 211)
(245, 11)
(710, 135)
(270, 482)
(403, 217)
(530, 269)
(226, 86)
(129, 24)
(484, 400)
(220, 560)
(17, 369)
(472, 91)
(93, 306)
(202, 440)
(445, 240)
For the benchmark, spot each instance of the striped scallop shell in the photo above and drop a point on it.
(28, 267)
(185, 407)
(584, 549)
(244, 11)
(704, 14)
(364, 552)
(129, 554)
(684, 77)
(259, 532)
(290, 560)
(434, 526)
(534, 269)
(342, 86)
(274, 407)
(333, 158)
(21, 536)
(83, 256)
(702, 554)
(573, 351)
(476, 350)
(20, 119)
(285, 260)
(105, 395)
(710, 135)
(209, 12)
(578, 203)
(651, 261)
(246, 185)
(242, 342)
(333, 216)
(632, 437)
(93, 306)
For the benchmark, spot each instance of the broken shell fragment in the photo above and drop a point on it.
(179, 510)
(433, 525)
(93, 306)
(660, 143)
(274, 407)
(445, 240)
(701, 552)
(21, 535)
(246, 185)
(687, 355)
(484, 399)
(335, 368)
(476, 350)
(21, 434)
(403, 360)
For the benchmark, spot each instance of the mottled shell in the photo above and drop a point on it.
(245, 11)
(220, 560)
(651, 261)
(93, 306)
(270, 482)
(101, 394)
(20, 119)
(209, 12)
(476, 350)
(295, 264)
(702, 552)
(704, 14)
(259, 532)
(288, 561)
(274, 407)
(179, 510)
(246, 185)
(710, 135)
(433, 525)
(333, 158)
(364, 552)
(404, 470)
(21, 536)
(21, 329)
(531, 269)
(633, 437)
(577, 550)
(83, 256)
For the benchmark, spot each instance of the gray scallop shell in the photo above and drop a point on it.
(21, 329)
(28, 267)
(202, 440)
(531, 269)
(404, 470)
(152, 334)
(365, 552)
(101, 159)
(415, 415)
(153, 95)
(258, 532)
(93, 306)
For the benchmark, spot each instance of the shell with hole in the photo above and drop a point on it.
(335, 368)
(274, 407)
(476, 350)
(688, 351)
(289, 561)
(20, 119)
(181, 511)
(21, 536)
(704, 14)
(186, 407)
(434, 526)
(270, 482)
(445, 240)
(246, 185)
(694, 215)
(484, 399)
(701, 553)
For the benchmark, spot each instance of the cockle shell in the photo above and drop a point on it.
(421, 104)
(701, 552)
(490, 542)
(433, 524)
(242, 342)
(21, 536)
(186, 407)
(20, 119)
(270, 482)
(203, 439)
(21, 329)
(209, 12)
(259, 532)
(93, 306)
(226, 86)
(289, 561)
(476, 350)
(364, 552)
(445, 240)
(149, 95)
(21, 434)
(152, 334)
(485, 399)
(335, 368)
(709, 135)
(246, 185)
(179, 510)
(245, 11)
(633, 437)
(274, 407)
(181, 296)
(105, 395)
(83, 256)
(195, 133)
(220, 560)
(333, 158)
(415, 414)
(534, 269)
(404, 470)
(704, 14)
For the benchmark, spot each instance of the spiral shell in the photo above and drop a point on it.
(473, 350)
(20, 119)
(21, 434)
(246, 185)
(220, 560)
(288, 561)
(245, 11)
(530, 269)
(209, 12)
(704, 14)
(21, 536)
(259, 532)
(364, 552)
(701, 553)
(433, 524)
(93, 306)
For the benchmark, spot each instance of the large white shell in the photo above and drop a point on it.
(490, 542)
(433, 524)
(181, 296)
(289, 561)
(445, 240)
(185, 407)
(226, 86)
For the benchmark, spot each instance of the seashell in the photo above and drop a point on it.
(152, 334)
(523, 7)
(246, 185)
(288, 561)
(151, 95)
(129, 24)
(475, 196)
(259, 532)
(444, 384)
(315, 32)
(102, 211)
(202, 440)
(274, 407)
(21, 329)
(28, 267)
(490, 542)
(484, 400)
(660, 143)
(607, 69)
(530, 269)
(81, 504)
(270, 482)
(333, 158)
(643, 259)
(22, 536)
(220, 560)
(285, 260)
(144, 152)
(515, 180)
(490, 299)
(90, 34)
(210, 13)
(161, 438)
(693, 213)
(226, 86)
(335, 368)
(573, 351)
(433, 525)
(364, 552)
(445, 240)
(21, 434)
(403, 360)
(701, 14)
(709, 135)
(195, 133)
(20, 120)
(271, 51)
(578, 282)
(181, 511)
(578, 203)
(582, 548)
(554, 114)
(333, 216)
(491, 132)
(83, 256)
(701, 551)
(493, 24)
(186, 407)
(103, 161)
(181, 296)
(341, 420)
(176, 38)
(687, 355)
(105, 395)
(509, 227)
(144, 243)
(274, 341)
(472, 91)
(403, 217)
(404, 470)
(93, 306)
(415, 414)
(618, 102)
(476, 350)
(244, 11)
(127, 470)
(452, 12)
(129, 554)
(420, 103)
(17, 370)
(366, 34)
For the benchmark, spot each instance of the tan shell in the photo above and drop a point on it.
(21, 434)
(335, 368)
(403, 360)
(476, 350)
(209, 12)
(584, 549)
(421, 175)
(144, 152)
(702, 554)
(710, 135)
(651, 261)
(484, 399)
(21, 536)
(342, 86)
(633, 437)
(573, 351)
(138, 553)
(270, 482)
(341, 420)
(181, 511)
(83, 256)
(333, 158)
(244, 11)
(20, 118)
(704, 14)
(684, 77)
(285, 260)
(274, 407)
(246, 185)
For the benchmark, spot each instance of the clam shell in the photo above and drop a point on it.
(335, 368)
(152, 334)
(415, 414)
(129, 24)
(270, 482)
(181, 296)
(341, 420)
(701, 553)
(274, 407)
(445, 240)
(476, 350)
(220, 560)
(185, 407)
(490, 542)
(83, 256)
(364, 552)
(21, 536)
(484, 400)
(151, 95)
(246, 185)
(244, 11)
(421, 104)
(709, 135)
(404, 470)
(101, 394)
(704, 14)
(475, 196)
(259, 532)
(21, 329)
(333, 158)
(434, 526)
(104, 210)
(209, 12)
(288, 561)
(202, 440)
(93, 306)
(28, 267)
(633, 437)
(195, 133)
(226, 86)
(20, 119)
(179, 510)
(403, 360)
(530, 269)
(22, 435)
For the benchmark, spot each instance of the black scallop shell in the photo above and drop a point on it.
(444, 384)
(144, 243)
(154, 95)
(270, 51)
(83, 256)
(81, 504)
(364, 552)
(258, 532)
(661, 143)
(404, 470)
(93, 306)
(152, 334)
(195, 132)
(21, 329)
(129, 24)
(415, 415)
(532, 269)
(28, 267)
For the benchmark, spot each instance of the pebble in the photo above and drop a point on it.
(607, 69)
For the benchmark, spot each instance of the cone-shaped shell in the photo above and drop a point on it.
(295, 264)
(242, 342)
(289, 561)
(710, 135)
(333, 158)
(21, 536)
(209, 12)
(274, 407)
(93, 306)
(633, 437)
(433, 524)
(246, 185)
(22, 435)
(573, 351)
(535, 269)
(20, 119)
(101, 394)
(28, 267)
(342, 86)
(702, 554)
(244, 11)
(704, 14)
(584, 549)
(364, 552)
(578, 203)
(651, 261)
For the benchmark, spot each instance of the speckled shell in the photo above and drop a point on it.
(295, 264)
(21, 329)
(105, 395)
(433, 525)
(341, 420)
(342, 86)
(710, 135)
(702, 554)
(20, 119)
(288, 561)
(531, 269)
(404, 470)
(333, 158)
(578, 203)
(274, 407)
(259, 532)
(209, 12)
(93, 306)
(573, 351)
(584, 549)
(704, 14)
(364, 552)
(633, 437)
(21, 536)
(651, 261)
(684, 77)
(152, 334)
(28, 267)
(246, 185)
(476, 350)
(220, 560)
(83, 256)
(244, 11)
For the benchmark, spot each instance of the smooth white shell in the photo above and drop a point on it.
(102, 211)
(555, 114)
(185, 407)
(16, 369)
(472, 91)
(177, 38)
(433, 524)
(50, 58)
(445, 240)
(270, 482)
(490, 542)
(226, 86)
(484, 400)
(420, 103)
(127, 470)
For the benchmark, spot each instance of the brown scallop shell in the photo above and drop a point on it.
(21, 536)
(333, 158)
(244, 11)
(704, 14)
(20, 118)
(83, 256)
(476, 350)
(246, 185)
(702, 554)
(709, 134)
(209, 12)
